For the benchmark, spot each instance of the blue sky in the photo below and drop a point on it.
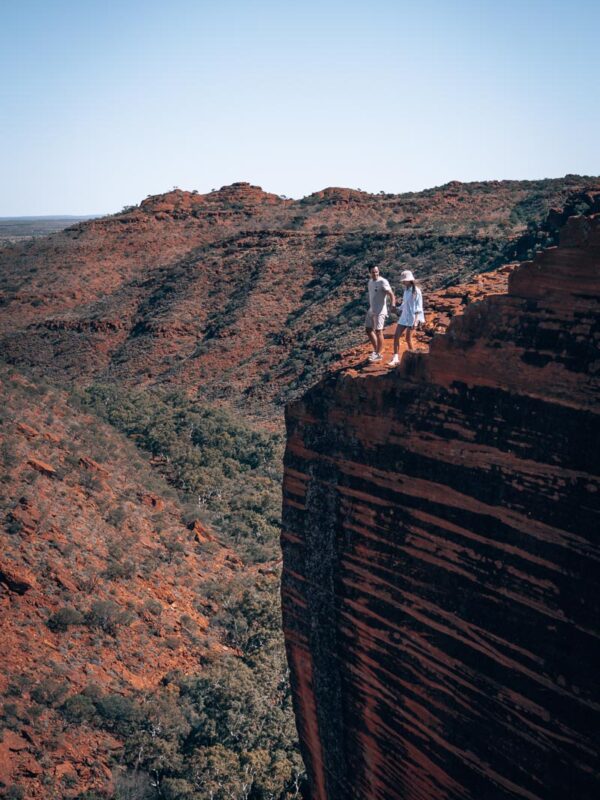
(106, 102)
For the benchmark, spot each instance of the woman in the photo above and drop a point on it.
(411, 314)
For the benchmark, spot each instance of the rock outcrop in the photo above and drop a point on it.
(440, 540)
(186, 288)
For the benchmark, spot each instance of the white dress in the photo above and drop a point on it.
(412, 308)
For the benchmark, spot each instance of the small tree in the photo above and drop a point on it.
(64, 617)
(108, 616)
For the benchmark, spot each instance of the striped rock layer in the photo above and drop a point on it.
(440, 542)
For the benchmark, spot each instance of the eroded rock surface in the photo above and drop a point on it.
(245, 295)
(440, 543)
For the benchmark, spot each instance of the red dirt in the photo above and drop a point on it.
(76, 492)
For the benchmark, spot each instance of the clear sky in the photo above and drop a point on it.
(104, 102)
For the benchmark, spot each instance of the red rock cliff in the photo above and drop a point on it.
(440, 543)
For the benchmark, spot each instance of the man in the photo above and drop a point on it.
(379, 291)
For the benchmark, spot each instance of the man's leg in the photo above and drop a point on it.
(379, 348)
(372, 338)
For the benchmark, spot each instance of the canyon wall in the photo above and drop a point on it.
(440, 543)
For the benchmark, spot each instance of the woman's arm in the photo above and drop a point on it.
(418, 302)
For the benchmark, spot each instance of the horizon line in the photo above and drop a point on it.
(296, 199)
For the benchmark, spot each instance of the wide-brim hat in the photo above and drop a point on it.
(406, 275)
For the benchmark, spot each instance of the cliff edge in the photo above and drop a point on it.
(440, 542)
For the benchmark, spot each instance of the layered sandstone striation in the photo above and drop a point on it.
(440, 541)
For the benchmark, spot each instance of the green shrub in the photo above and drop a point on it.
(78, 708)
(250, 620)
(11, 716)
(116, 516)
(119, 714)
(153, 607)
(133, 785)
(243, 730)
(174, 547)
(64, 617)
(108, 616)
(49, 692)
(117, 570)
(19, 684)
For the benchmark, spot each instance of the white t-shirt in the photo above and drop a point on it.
(377, 295)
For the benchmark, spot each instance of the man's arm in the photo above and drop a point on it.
(389, 292)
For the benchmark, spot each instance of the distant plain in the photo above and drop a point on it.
(15, 229)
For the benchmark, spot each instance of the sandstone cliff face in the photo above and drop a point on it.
(440, 541)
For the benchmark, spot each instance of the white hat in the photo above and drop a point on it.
(406, 275)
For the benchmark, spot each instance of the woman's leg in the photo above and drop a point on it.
(397, 335)
(409, 343)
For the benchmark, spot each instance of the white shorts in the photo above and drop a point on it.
(375, 322)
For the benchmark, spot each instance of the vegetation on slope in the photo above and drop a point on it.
(227, 472)
(137, 644)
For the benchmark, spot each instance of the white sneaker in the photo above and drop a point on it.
(377, 357)
(373, 356)
(395, 360)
